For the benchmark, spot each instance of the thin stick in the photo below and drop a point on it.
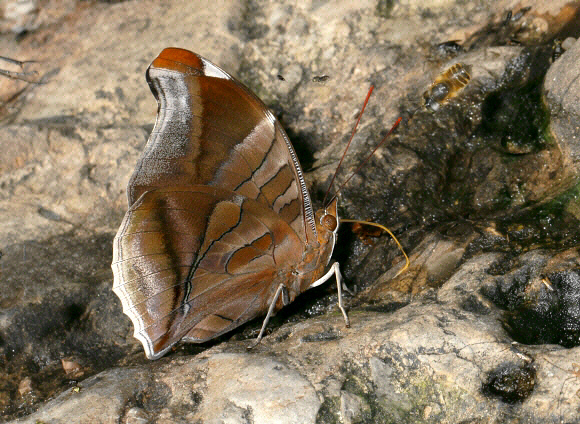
(18, 75)
(14, 61)
(348, 144)
(382, 227)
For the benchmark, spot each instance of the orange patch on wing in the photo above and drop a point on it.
(241, 258)
(263, 243)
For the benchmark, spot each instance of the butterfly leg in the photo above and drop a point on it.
(335, 270)
(349, 291)
(280, 291)
(339, 285)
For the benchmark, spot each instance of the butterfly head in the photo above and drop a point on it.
(327, 227)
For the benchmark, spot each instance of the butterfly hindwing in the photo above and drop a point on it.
(198, 260)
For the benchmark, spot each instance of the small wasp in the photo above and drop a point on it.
(447, 49)
(447, 85)
(557, 49)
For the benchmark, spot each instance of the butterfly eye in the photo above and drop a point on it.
(329, 222)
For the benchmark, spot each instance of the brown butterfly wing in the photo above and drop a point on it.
(219, 213)
(211, 130)
(176, 281)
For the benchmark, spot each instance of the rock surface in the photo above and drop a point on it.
(485, 325)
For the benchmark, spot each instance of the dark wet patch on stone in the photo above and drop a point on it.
(329, 411)
(511, 382)
(154, 398)
(552, 315)
(324, 336)
(385, 308)
(473, 303)
(539, 309)
(57, 303)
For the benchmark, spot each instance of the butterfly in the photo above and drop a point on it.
(220, 227)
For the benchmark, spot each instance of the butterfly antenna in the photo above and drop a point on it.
(367, 159)
(348, 144)
(389, 232)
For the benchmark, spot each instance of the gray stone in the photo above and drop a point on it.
(562, 94)
(244, 388)
(101, 398)
(352, 407)
(137, 415)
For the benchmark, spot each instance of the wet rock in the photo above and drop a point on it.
(424, 360)
(542, 307)
(511, 382)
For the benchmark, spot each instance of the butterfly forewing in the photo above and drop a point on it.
(219, 214)
(211, 130)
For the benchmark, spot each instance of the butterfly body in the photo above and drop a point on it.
(220, 221)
